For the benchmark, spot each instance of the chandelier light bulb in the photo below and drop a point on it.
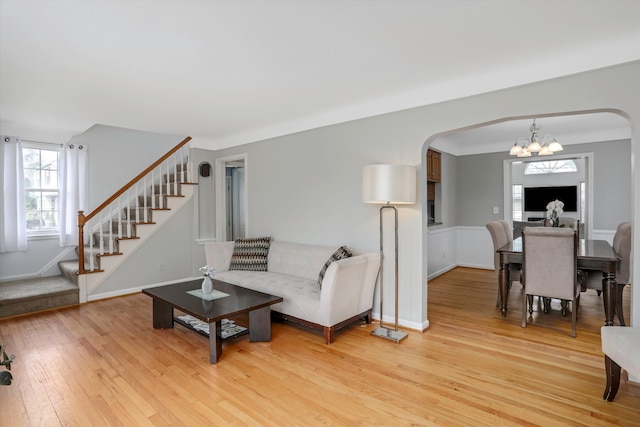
(555, 146)
(524, 153)
(534, 147)
(545, 151)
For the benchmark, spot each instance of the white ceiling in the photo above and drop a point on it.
(232, 72)
(568, 130)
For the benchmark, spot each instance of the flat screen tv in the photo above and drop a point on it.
(537, 198)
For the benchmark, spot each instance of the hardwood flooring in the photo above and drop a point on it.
(102, 364)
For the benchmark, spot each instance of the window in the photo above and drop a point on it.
(40, 164)
(516, 200)
(550, 166)
(583, 200)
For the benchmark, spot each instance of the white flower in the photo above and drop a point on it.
(554, 209)
(208, 271)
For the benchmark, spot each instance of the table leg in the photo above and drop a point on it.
(162, 315)
(215, 341)
(503, 282)
(611, 296)
(260, 324)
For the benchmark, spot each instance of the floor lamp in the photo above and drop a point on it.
(389, 185)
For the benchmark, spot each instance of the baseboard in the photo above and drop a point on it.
(135, 290)
(451, 267)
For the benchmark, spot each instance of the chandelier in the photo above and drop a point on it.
(545, 146)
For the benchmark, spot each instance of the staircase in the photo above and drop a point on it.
(116, 229)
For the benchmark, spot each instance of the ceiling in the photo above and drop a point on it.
(233, 72)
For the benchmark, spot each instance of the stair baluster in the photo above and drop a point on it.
(91, 245)
(128, 215)
(153, 195)
(101, 239)
(104, 215)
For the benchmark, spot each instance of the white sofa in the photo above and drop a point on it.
(292, 272)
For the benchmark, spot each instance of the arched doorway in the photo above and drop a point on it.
(464, 221)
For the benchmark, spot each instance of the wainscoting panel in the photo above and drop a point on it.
(475, 247)
(442, 251)
(470, 247)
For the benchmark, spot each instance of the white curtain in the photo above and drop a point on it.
(73, 191)
(13, 224)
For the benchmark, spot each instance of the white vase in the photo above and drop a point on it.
(207, 285)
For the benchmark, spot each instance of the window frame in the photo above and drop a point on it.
(49, 232)
(517, 189)
(532, 168)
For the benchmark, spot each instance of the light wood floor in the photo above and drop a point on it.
(103, 364)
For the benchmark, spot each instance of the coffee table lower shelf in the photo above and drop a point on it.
(187, 325)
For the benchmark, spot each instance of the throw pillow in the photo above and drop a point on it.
(250, 254)
(341, 253)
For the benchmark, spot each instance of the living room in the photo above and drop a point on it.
(323, 204)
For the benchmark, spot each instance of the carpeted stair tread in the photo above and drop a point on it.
(33, 295)
(19, 290)
(69, 270)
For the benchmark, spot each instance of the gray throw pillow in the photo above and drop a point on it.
(341, 253)
(250, 254)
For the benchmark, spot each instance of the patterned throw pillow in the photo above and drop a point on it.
(341, 253)
(250, 254)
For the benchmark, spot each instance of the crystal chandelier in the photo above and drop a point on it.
(544, 146)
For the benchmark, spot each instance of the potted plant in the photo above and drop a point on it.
(5, 360)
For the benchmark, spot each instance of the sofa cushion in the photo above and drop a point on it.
(340, 253)
(298, 259)
(250, 254)
(301, 297)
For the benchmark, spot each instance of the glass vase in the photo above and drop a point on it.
(207, 285)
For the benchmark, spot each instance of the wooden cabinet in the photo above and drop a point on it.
(431, 191)
(433, 166)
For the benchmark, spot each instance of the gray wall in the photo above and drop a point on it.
(480, 184)
(205, 195)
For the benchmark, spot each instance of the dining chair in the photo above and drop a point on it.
(501, 235)
(575, 224)
(549, 268)
(593, 279)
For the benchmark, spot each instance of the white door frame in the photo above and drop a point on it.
(221, 200)
(588, 157)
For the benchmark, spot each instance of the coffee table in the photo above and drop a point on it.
(239, 300)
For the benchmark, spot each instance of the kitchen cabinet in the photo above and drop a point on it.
(433, 166)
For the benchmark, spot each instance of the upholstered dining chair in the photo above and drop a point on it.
(549, 268)
(622, 247)
(501, 235)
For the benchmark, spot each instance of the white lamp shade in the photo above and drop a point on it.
(395, 184)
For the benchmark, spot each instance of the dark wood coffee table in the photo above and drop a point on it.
(239, 301)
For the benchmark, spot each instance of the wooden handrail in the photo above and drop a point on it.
(136, 179)
(82, 218)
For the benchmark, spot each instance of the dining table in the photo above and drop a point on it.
(593, 255)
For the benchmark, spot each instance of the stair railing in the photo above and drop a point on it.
(148, 183)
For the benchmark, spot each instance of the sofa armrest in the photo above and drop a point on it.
(218, 255)
(348, 286)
